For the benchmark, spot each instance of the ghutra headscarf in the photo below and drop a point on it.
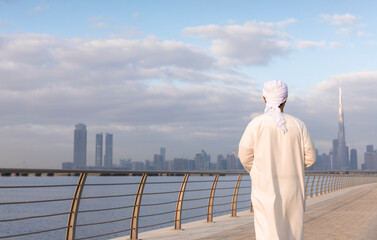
(275, 92)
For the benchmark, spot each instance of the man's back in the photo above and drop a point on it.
(278, 161)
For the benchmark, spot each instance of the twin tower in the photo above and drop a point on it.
(108, 157)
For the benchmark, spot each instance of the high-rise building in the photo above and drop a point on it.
(202, 161)
(353, 159)
(340, 151)
(79, 146)
(163, 153)
(108, 159)
(99, 147)
(370, 158)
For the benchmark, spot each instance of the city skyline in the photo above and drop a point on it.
(155, 75)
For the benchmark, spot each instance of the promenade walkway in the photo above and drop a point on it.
(346, 214)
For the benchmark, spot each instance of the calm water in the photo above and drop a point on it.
(154, 185)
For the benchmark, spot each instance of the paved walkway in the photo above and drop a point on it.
(352, 215)
(347, 214)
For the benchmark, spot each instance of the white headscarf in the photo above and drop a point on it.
(275, 92)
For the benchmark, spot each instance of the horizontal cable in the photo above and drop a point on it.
(96, 223)
(161, 203)
(31, 217)
(194, 217)
(200, 181)
(227, 180)
(162, 182)
(195, 199)
(243, 208)
(30, 233)
(158, 224)
(245, 187)
(229, 210)
(109, 184)
(155, 214)
(224, 188)
(40, 186)
(104, 209)
(222, 204)
(240, 201)
(110, 196)
(156, 193)
(198, 190)
(240, 194)
(39, 201)
(221, 196)
(203, 206)
(105, 234)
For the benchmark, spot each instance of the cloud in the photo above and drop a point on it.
(116, 31)
(253, 43)
(363, 34)
(39, 8)
(339, 20)
(310, 44)
(346, 23)
(3, 23)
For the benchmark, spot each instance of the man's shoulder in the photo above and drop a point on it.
(289, 117)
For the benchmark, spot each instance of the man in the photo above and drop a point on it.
(275, 149)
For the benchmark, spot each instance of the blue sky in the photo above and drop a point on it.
(186, 75)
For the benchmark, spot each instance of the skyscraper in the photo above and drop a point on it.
(341, 158)
(99, 147)
(163, 153)
(353, 159)
(79, 146)
(108, 163)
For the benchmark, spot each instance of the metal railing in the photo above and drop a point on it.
(139, 202)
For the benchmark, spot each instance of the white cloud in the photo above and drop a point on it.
(363, 34)
(344, 31)
(339, 20)
(40, 8)
(310, 44)
(346, 24)
(252, 43)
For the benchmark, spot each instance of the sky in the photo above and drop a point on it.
(185, 75)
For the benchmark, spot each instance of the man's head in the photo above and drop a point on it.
(275, 93)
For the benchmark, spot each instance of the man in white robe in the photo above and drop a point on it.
(275, 149)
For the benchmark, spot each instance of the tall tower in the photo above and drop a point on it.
(79, 146)
(99, 147)
(342, 156)
(108, 163)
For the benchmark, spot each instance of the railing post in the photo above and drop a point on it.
(322, 184)
(311, 190)
(136, 208)
(72, 218)
(316, 189)
(332, 183)
(211, 198)
(329, 184)
(234, 200)
(178, 210)
(306, 187)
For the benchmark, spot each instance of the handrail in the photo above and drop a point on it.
(233, 197)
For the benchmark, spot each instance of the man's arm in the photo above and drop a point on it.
(309, 150)
(246, 149)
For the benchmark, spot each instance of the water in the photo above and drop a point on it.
(223, 198)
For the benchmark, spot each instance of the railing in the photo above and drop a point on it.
(140, 201)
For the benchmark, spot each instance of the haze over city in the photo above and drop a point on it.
(185, 76)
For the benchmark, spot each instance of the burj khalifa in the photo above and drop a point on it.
(341, 156)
